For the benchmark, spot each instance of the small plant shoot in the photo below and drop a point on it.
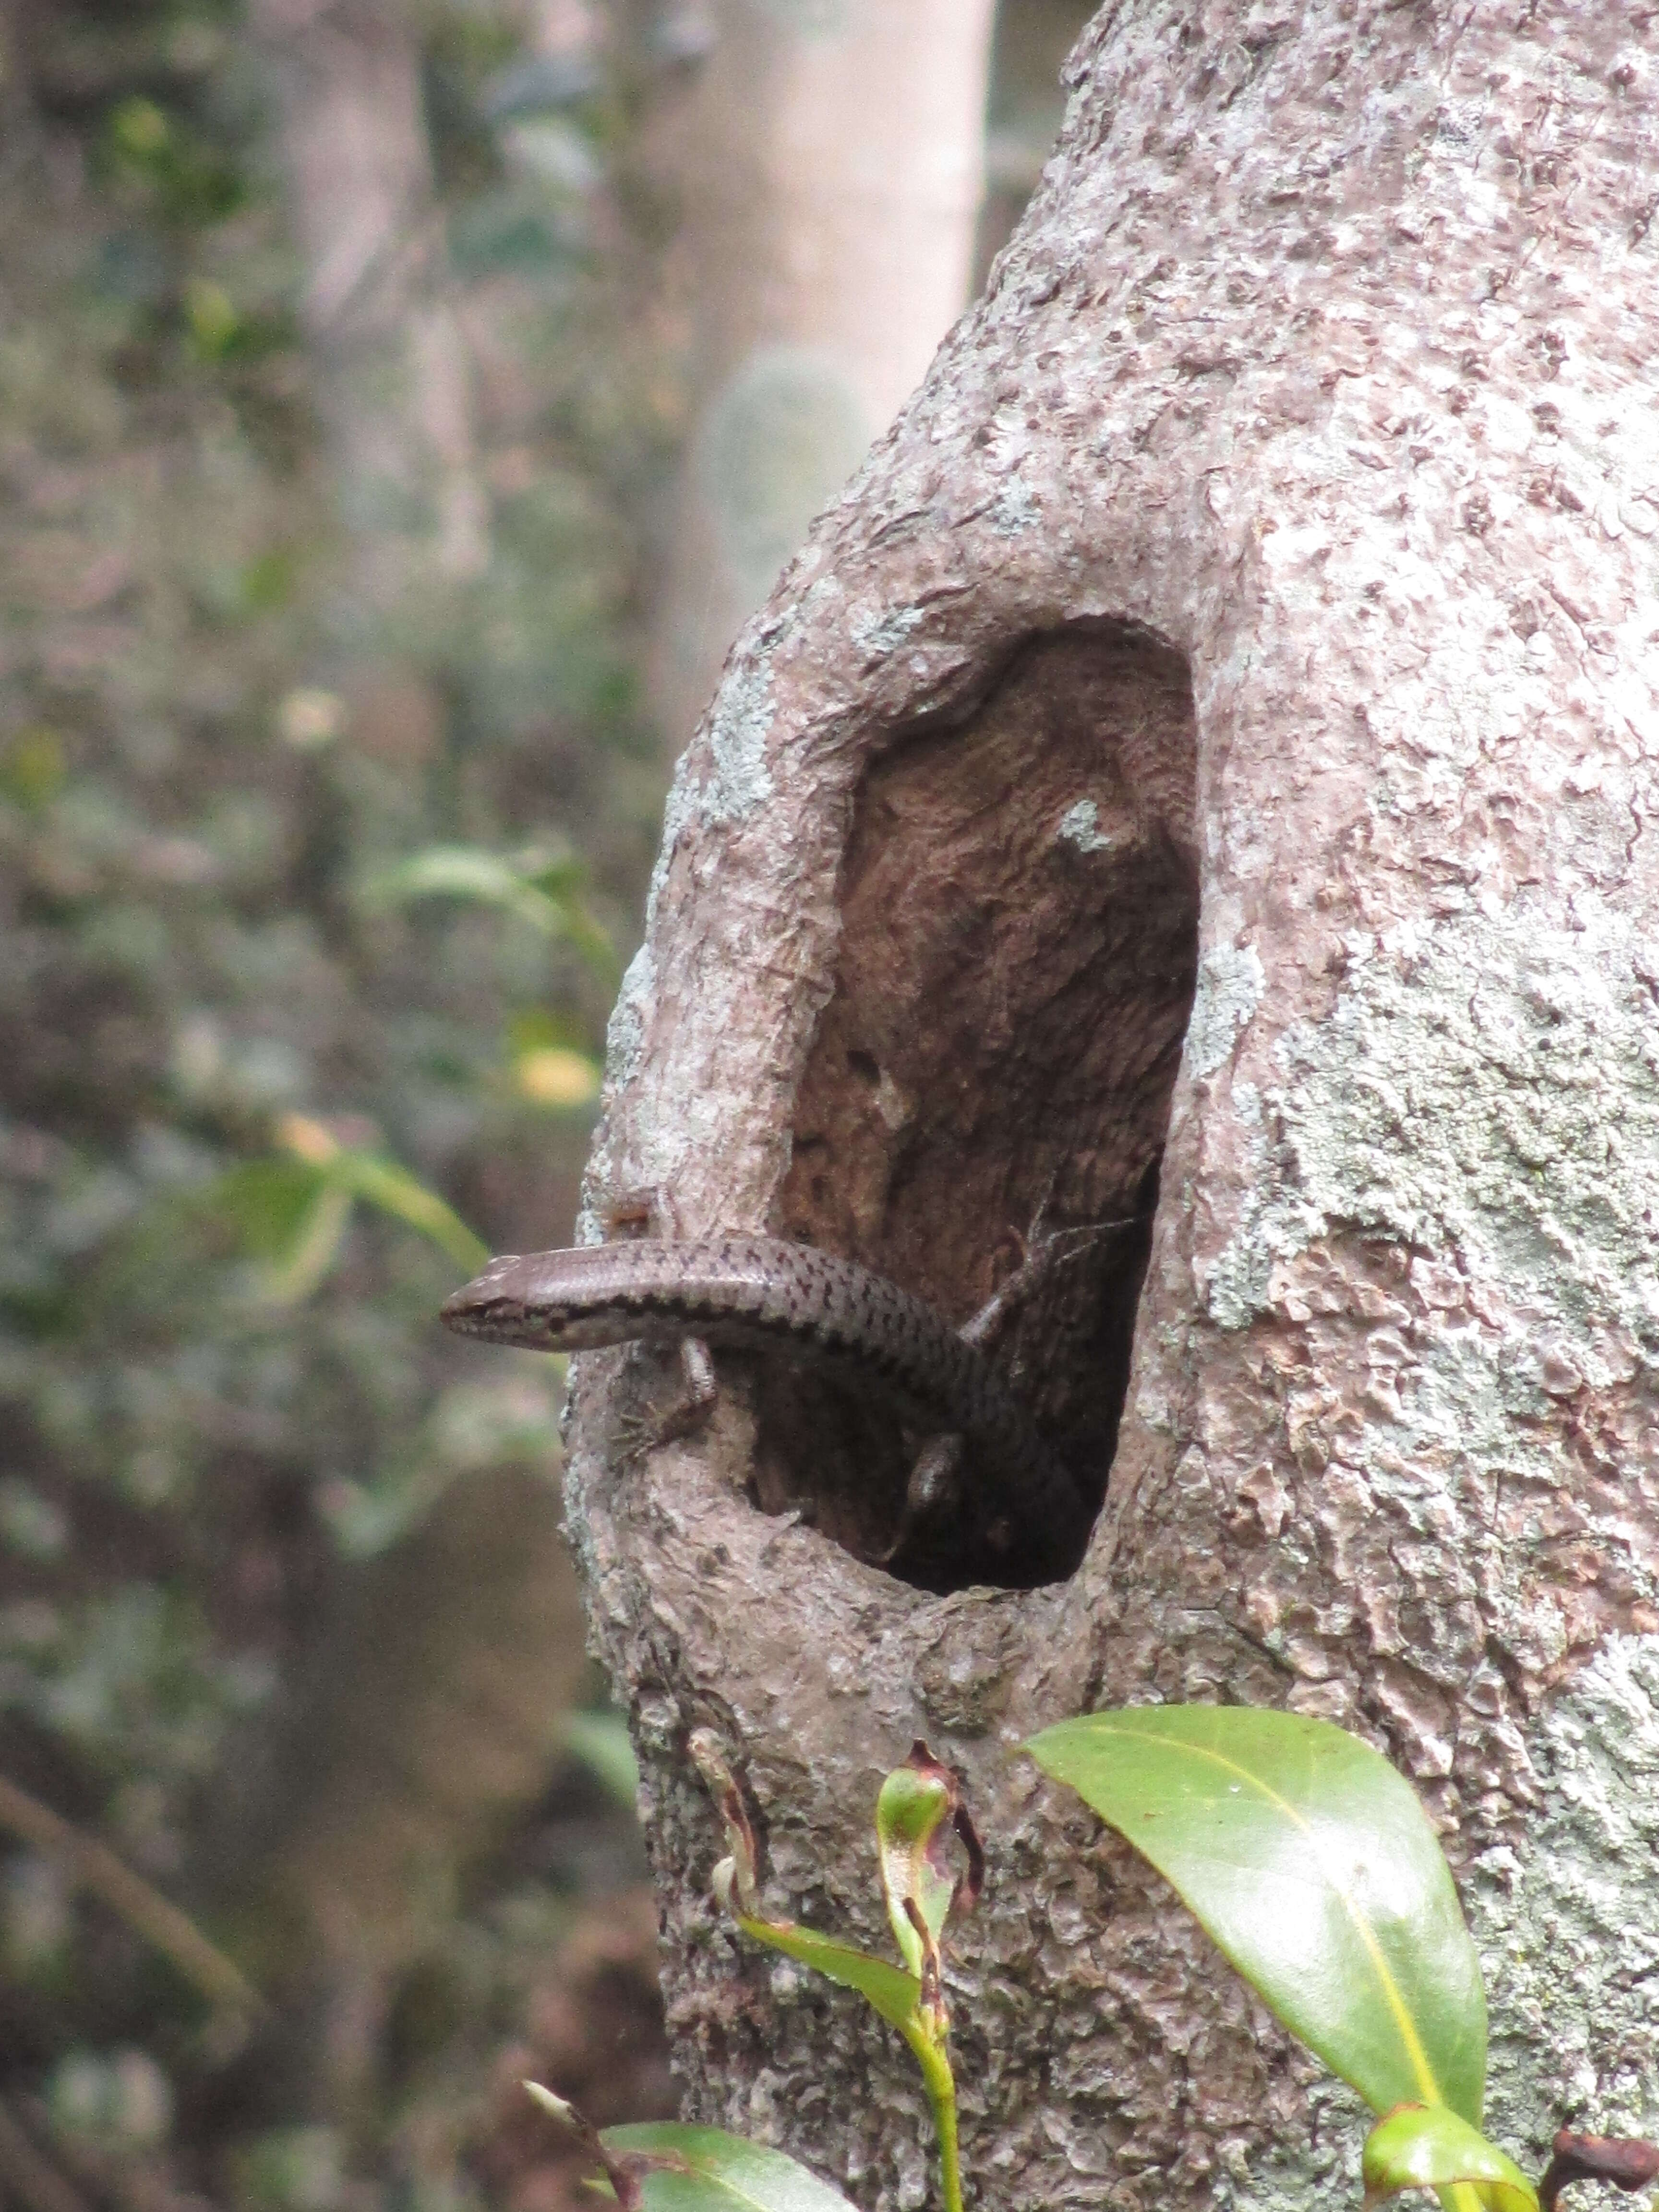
(1427, 2147)
(918, 1811)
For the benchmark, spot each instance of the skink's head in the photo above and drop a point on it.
(576, 1301)
(492, 1305)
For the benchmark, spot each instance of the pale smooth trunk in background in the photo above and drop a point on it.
(827, 166)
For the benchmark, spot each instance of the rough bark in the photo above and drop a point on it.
(1261, 588)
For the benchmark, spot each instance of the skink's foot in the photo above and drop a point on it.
(1043, 1256)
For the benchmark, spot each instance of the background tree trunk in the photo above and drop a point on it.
(393, 379)
(826, 169)
(1259, 592)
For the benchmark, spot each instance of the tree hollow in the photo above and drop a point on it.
(1020, 940)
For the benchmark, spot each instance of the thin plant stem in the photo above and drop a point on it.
(941, 2088)
(97, 1868)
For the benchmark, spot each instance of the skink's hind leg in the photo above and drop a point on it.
(932, 1503)
(1045, 1255)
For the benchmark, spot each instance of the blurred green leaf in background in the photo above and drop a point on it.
(317, 844)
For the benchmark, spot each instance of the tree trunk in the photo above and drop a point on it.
(393, 376)
(1260, 590)
(827, 168)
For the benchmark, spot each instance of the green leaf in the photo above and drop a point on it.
(602, 1743)
(1426, 2146)
(1311, 1865)
(544, 894)
(658, 2166)
(33, 768)
(292, 1211)
(289, 1281)
(893, 1993)
(468, 872)
(681, 2169)
(265, 1202)
(380, 1182)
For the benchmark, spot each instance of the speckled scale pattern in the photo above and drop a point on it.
(760, 1293)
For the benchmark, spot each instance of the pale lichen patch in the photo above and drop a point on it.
(1486, 1091)
(1567, 1921)
(739, 779)
(1079, 825)
(1229, 986)
(879, 634)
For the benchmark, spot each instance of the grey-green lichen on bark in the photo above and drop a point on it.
(1230, 985)
(1080, 826)
(1485, 1090)
(1567, 1919)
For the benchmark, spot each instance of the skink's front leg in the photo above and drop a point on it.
(654, 1213)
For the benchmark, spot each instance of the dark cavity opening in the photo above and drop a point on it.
(1020, 944)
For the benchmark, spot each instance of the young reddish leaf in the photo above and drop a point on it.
(623, 2185)
(1428, 2147)
(1310, 1864)
(1628, 2162)
(919, 1809)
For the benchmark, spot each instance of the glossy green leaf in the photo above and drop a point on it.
(1311, 1865)
(1426, 2146)
(658, 2166)
(681, 2169)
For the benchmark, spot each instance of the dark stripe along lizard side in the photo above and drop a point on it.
(763, 1294)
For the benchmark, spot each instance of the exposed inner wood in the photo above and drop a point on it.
(1020, 909)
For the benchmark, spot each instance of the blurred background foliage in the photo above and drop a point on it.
(310, 904)
(327, 801)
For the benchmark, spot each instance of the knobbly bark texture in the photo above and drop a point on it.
(1259, 592)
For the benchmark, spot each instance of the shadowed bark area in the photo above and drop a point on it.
(1020, 940)
(1320, 369)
